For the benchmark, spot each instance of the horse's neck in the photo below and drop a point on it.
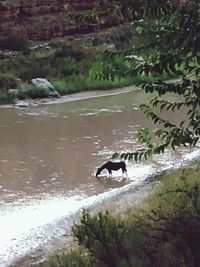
(103, 167)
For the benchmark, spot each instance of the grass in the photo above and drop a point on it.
(30, 91)
(71, 66)
(80, 83)
(164, 231)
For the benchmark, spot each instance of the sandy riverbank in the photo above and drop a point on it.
(116, 205)
(71, 97)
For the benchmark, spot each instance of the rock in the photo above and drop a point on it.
(43, 19)
(44, 84)
(22, 104)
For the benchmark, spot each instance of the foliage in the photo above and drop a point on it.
(169, 42)
(103, 12)
(71, 67)
(78, 53)
(163, 232)
(171, 220)
(76, 258)
(6, 98)
(104, 236)
(30, 91)
(7, 81)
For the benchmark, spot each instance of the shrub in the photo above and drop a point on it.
(81, 257)
(65, 66)
(105, 237)
(6, 98)
(60, 86)
(76, 52)
(35, 69)
(30, 91)
(164, 232)
(7, 81)
(169, 227)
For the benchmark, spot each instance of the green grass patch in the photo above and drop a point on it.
(71, 65)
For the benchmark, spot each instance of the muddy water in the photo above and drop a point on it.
(48, 158)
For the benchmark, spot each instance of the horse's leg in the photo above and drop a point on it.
(124, 171)
(110, 174)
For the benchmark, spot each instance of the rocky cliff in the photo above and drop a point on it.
(40, 19)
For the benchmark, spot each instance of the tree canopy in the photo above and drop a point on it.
(168, 39)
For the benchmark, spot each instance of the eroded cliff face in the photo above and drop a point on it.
(40, 19)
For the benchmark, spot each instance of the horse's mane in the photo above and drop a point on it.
(105, 165)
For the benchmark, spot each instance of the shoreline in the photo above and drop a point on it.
(117, 205)
(71, 97)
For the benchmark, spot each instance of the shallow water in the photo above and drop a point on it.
(48, 159)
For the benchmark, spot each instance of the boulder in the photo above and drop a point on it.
(45, 84)
(22, 104)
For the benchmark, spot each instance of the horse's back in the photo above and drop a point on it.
(116, 165)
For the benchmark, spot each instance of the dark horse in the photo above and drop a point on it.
(112, 166)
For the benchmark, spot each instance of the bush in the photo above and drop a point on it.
(81, 257)
(105, 237)
(30, 91)
(7, 81)
(6, 98)
(164, 232)
(171, 221)
(35, 69)
(76, 52)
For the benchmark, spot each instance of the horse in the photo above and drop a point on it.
(112, 166)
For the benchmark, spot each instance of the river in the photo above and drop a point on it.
(48, 158)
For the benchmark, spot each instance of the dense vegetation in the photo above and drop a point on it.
(71, 64)
(165, 231)
(168, 38)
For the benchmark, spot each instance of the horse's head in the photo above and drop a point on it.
(98, 171)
